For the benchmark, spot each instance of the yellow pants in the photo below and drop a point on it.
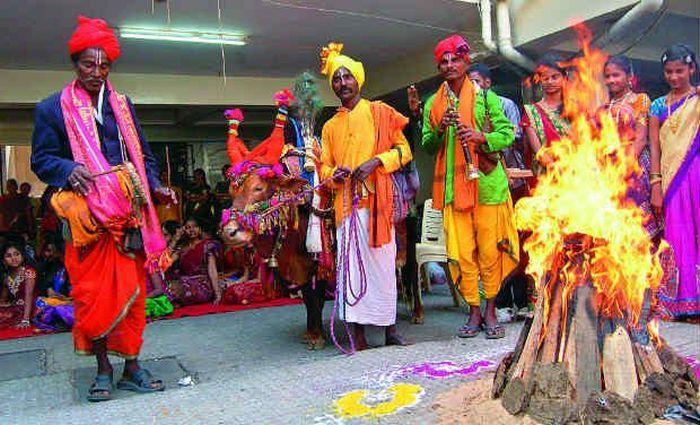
(473, 240)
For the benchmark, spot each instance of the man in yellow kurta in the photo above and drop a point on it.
(361, 146)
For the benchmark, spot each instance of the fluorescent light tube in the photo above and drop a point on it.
(183, 36)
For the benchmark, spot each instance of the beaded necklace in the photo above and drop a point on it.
(13, 283)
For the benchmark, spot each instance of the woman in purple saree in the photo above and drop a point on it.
(674, 130)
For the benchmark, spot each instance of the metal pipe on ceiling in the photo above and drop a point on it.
(486, 27)
(624, 25)
(505, 38)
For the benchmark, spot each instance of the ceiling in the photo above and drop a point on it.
(678, 21)
(34, 33)
(282, 43)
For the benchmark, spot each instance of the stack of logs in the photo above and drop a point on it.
(574, 365)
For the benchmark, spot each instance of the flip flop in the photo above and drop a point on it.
(468, 331)
(101, 389)
(141, 382)
(494, 332)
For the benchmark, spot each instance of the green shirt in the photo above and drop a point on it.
(493, 187)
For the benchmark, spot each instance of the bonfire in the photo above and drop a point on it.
(591, 352)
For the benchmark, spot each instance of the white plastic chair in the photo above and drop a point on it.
(432, 242)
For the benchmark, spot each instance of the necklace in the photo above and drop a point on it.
(618, 102)
(673, 120)
(551, 108)
(14, 282)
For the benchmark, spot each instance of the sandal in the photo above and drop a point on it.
(101, 389)
(141, 381)
(494, 332)
(468, 331)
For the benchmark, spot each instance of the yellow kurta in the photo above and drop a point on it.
(348, 140)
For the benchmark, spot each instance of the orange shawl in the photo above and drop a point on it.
(387, 122)
(465, 191)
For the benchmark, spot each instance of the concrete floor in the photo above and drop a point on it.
(250, 368)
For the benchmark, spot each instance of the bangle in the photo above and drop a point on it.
(655, 175)
(655, 180)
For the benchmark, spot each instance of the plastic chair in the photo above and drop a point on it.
(432, 244)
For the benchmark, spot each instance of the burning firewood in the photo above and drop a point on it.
(591, 348)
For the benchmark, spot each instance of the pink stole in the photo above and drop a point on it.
(107, 202)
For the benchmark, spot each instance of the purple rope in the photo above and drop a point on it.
(349, 237)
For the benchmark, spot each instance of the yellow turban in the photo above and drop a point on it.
(331, 60)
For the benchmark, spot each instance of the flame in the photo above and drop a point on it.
(653, 329)
(584, 192)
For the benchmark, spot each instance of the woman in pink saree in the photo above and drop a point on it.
(674, 130)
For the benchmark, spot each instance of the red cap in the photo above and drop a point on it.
(455, 44)
(94, 33)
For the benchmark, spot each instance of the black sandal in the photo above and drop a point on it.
(141, 381)
(101, 389)
(469, 331)
(494, 332)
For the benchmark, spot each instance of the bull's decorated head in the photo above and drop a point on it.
(264, 201)
(264, 198)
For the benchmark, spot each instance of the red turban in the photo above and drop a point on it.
(455, 44)
(94, 33)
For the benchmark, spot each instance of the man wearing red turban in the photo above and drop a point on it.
(88, 142)
(466, 128)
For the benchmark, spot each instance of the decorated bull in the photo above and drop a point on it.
(270, 209)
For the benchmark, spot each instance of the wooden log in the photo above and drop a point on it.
(649, 358)
(641, 371)
(569, 357)
(587, 378)
(527, 358)
(500, 379)
(619, 371)
(516, 396)
(553, 328)
(522, 338)
(508, 363)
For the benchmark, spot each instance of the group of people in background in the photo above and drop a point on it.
(35, 281)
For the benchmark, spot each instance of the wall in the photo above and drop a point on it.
(30, 86)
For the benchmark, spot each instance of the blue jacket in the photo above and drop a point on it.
(52, 160)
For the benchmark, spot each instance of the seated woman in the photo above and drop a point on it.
(16, 288)
(55, 310)
(196, 277)
(53, 280)
(172, 233)
(238, 265)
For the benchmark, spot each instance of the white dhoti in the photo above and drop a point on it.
(378, 304)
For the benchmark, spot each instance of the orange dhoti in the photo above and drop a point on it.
(109, 292)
